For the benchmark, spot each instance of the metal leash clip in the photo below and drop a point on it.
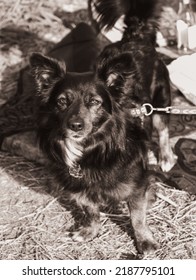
(149, 109)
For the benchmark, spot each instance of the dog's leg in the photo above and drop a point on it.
(91, 223)
(167, 157)
(162, 98)
(144, 239)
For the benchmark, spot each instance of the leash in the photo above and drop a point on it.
(147, 109)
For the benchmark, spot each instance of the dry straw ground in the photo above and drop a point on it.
(35, 218)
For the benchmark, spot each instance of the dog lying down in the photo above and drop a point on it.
(97, 148)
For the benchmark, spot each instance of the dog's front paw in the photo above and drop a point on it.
(84, 234)
(147, 246)
(168, 162)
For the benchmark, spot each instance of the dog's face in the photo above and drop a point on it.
(81, 108)
(71, 106)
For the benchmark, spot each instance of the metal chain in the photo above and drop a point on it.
(147, 109)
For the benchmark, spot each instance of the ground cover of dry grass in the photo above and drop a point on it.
(35, 218)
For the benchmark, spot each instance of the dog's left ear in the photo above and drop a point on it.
(46, 72)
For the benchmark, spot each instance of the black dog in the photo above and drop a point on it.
(97, 147)
(97, 150)
(131, 68)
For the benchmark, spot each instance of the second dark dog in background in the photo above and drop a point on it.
(132, 69)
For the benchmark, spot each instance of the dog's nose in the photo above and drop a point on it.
(76, 125)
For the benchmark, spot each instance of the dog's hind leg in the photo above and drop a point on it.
(91, 220)
(145, 241)
(162, 98)
(167, 157)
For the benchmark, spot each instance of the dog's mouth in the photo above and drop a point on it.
(77, 137)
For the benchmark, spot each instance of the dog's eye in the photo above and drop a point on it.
(62, 102)
(95, 102)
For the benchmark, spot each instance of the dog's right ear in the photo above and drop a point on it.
(46, 72)
(115, 71)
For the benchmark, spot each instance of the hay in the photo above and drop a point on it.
(35, 219)
(28, 26)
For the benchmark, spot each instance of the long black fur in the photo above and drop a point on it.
(97, 148)
(132, 69)
(109, 11)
